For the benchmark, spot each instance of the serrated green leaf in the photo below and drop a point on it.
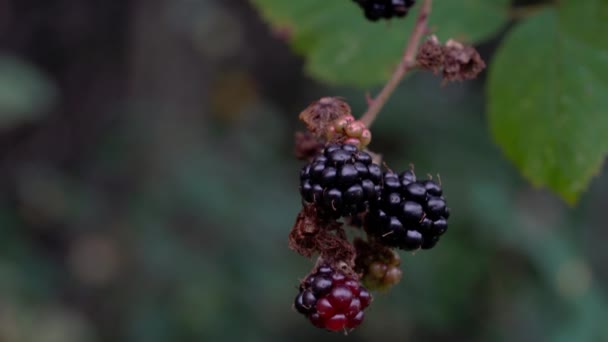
(548, 107)
(342, 47)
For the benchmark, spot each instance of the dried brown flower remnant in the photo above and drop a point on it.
(311, 234)
(461, 62)
(456, 61)
(306, 146)
(430, 55)
(321, 114)
(303, 234)
(337, 250)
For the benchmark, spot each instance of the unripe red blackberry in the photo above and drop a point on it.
(341, 181)
(411, 214)
(331, 300)
(376, 9)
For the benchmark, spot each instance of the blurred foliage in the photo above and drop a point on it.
(153, 200)
(25, 93)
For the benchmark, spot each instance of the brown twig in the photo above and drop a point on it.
(406, 64)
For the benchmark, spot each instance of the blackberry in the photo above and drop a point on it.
(378, 265)
(411, 214)
(382, 276)
(331, 300)
(377, 9)
(341, 181)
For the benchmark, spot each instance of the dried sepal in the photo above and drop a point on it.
(321, 114)
(302, 237)
(430, 55)
(461, 62)
(311, 234)
(455, 61)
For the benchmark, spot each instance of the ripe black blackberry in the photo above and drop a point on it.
(376, 9)
(331, 300)
(411, 214)
(341, 181)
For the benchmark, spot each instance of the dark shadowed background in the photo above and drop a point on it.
(147, 187)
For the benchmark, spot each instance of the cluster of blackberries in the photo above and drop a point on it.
(401, 211)
(376, 9)
(397, 211)
(341, 181)
(411, 214)
(331, 300)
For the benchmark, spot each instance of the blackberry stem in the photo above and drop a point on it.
(407, 63)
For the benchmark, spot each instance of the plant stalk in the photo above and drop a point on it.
(407, 63)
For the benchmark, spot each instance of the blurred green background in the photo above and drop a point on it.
(147, 187)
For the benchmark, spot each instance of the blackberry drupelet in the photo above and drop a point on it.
(341, 181)
(347, 130)
(410, 215)
(331, 300)
(377, 9)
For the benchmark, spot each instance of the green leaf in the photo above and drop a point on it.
(548, 104)
(342, 47)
